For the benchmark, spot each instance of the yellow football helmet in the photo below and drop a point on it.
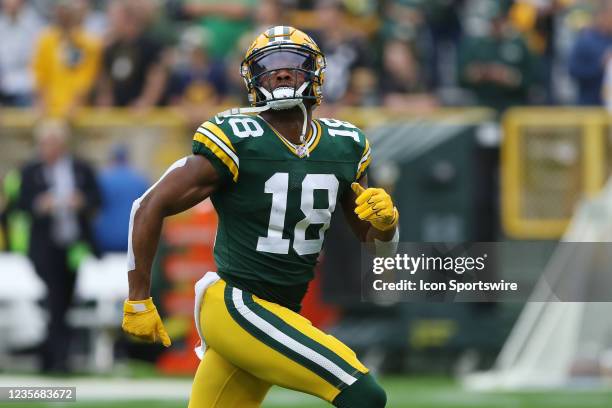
(283, 47)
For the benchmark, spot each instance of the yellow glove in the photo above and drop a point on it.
(140, 319)
(375, 206)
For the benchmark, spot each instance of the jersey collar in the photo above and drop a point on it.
(312, 139)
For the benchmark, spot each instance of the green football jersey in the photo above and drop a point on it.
(275, 202)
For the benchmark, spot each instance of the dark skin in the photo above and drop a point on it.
(186, 186)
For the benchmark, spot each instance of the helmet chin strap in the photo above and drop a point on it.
(241, 111)
(284, 101)
(305, 125)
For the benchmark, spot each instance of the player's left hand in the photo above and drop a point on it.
(140, 319)
(375, 206)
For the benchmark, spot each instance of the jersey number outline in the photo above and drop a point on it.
(245, 127)
(278, 186)
(335, 123)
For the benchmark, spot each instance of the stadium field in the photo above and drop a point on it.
(403, 393)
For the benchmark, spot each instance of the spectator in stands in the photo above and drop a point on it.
(496, 67)
(267, 14)
(225, 21)
(160, 20)
(590, 55)
(65, 63)
(445, 29)
(434, 29)
(19, 30)
(198, 83)
(536, 21)
(120, 185)
(60, 193)
(363, 89)
(403, 19)
(93, 21)
(402, 82)
(406, 20)
(134, 69)
(344, 50)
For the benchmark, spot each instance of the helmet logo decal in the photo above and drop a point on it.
(278, 34)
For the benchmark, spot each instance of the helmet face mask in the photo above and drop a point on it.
(282, 59)
(289, 50)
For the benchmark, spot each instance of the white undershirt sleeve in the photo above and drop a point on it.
(131, 261)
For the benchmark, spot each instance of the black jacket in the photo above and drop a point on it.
(33, 183)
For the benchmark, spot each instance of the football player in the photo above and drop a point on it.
(275, 176)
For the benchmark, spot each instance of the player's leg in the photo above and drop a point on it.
(365, 392)
(283, 348)
(220, 384)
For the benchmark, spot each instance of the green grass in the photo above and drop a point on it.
(403, 393)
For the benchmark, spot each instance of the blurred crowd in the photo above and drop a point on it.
(60, 55)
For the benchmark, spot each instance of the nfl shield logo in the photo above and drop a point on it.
(302, 151)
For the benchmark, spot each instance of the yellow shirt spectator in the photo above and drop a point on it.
(65, 68)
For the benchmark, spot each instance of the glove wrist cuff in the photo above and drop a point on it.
(387, 227)
(138, 306)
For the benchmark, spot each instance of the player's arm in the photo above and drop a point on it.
(186, 183)
(372, 216)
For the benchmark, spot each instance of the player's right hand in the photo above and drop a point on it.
(140, 319)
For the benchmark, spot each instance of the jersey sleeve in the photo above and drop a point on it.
(211, 142)
(351, 141)
(365, 160)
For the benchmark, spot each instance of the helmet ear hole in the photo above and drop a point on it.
(310, 77)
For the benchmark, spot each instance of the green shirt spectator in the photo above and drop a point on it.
(496, 67)
(225, 21)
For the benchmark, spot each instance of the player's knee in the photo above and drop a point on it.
(364, 393)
